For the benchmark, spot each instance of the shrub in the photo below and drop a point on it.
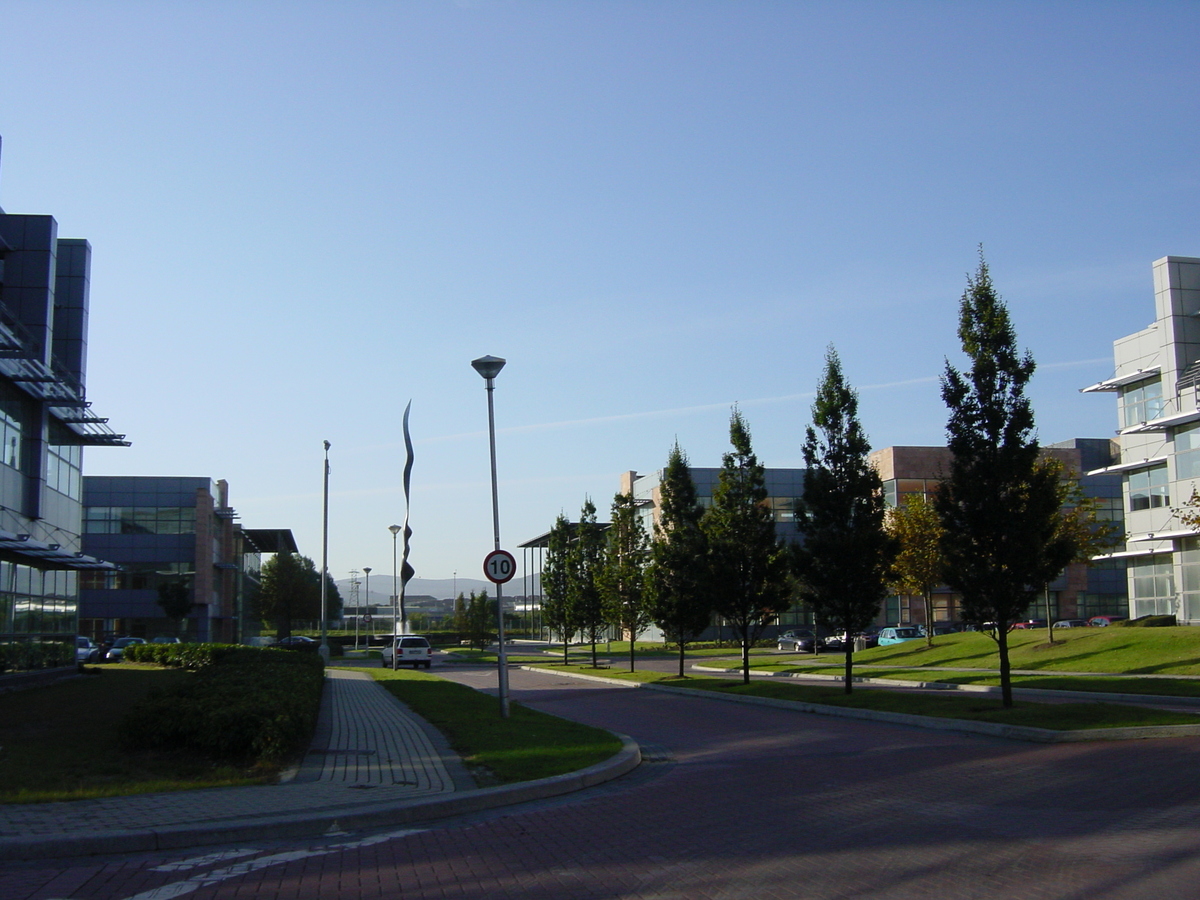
(1149, 622)
(243, 703)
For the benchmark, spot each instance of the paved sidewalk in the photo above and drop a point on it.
(372, 762)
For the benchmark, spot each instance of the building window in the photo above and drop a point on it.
(63, 464)
(139, 520)
(1153, 589)
(1142, 403)
(1148, 489)
(1187, 453)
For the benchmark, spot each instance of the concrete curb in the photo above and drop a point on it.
(1011, 732)
(330, 820)
(1048, 693)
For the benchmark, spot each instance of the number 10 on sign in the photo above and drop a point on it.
(499, 566)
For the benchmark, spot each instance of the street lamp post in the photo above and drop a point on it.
(358, 618)
(395, 530)
(489, 367)
(324, 648)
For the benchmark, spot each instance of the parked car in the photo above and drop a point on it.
(870, 636)
(86, 651)
(898, 634)
(166, 640)
(411, 650)
(1102, 621)
(1028, 624)
(800, 640)
(945, 628)
(117, 651)
(1071, 623)
(835, 642)
(298, 642)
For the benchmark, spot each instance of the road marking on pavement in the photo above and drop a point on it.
(182, 888)
(197, 861)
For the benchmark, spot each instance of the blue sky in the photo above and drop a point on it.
(305, 214)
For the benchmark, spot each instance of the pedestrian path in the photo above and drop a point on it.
(372, 763)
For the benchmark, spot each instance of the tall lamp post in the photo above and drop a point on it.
(395, 530)
(489, 367)
(324, 648)
(367, 572)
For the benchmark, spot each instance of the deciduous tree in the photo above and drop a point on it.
(999, 508)
(748, 565)
(678, 584)
(587, 561)
(623, 577)
(846, 555)
(919, 566)
(557, 611)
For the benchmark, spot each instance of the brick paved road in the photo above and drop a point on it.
(754, 803)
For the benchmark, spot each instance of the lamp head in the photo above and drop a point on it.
(367, 570)
(394, 529)
(488, 366)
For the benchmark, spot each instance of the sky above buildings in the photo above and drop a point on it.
(304, 215)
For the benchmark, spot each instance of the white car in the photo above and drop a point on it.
(411, 650)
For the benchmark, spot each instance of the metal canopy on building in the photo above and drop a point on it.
(270, 540)
(1113, 384)
(24, 549)
(21, 363)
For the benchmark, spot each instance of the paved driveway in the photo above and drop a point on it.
(748, 802)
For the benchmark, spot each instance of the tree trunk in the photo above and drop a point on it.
(849, 664)
(928, 596)
(681, 658)
(745, 660)
(566, 651)
(1005, 675)
(1049, 624)
(631, 666)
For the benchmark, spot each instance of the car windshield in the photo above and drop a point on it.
(124, 642)
(414, 642)
(907, 632)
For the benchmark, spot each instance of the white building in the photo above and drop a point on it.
(1157, 382)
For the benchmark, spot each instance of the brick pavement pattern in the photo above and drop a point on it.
(745, 802)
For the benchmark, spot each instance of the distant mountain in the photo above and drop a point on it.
(441, 588)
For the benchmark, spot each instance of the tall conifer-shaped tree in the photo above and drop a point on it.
(999, 507)
(557, 611)
(680, 599)
(844, 562)
(748, 573)
(623, 578)
(587, 561)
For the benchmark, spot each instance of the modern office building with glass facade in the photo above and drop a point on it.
(1157, 383)
(45, 422)
(170, 535)
(1082, 590)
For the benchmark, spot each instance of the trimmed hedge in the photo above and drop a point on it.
(248, 704)
(1149, 622)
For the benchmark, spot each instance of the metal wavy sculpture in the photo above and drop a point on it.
(406, 571)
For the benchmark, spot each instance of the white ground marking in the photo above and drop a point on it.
(181, 888)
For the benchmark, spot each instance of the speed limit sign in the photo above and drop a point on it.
(499, 566)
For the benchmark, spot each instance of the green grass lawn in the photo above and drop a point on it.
(527, 745)
(60, 742)
(1055, 716)
(1149, 651)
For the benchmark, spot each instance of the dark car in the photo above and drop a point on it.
(800, 640)
(298, 642)
(116, 652)
(1028, 624)
(1103, 621)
